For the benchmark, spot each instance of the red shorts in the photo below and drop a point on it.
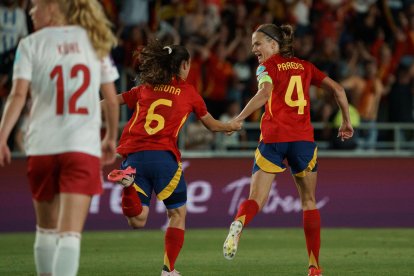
(71, 172)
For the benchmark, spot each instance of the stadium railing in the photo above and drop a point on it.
(394, 140)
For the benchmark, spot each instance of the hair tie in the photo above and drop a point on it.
(275, 38)
(169, 49)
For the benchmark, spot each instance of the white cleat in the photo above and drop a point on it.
(232, 240)
(171, 273)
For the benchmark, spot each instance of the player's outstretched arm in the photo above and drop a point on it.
(345, 131)
(111, 112)
(215, 125)
(14, 105)
(258, 100)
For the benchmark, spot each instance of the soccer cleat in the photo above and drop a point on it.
(313, 271)
(232, 240)
(124, 177)
(171, 273)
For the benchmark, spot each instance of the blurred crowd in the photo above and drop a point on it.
(366, 45)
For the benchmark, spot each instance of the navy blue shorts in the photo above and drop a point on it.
(160, 172)
(301, 157)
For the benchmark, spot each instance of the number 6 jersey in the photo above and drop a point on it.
(65, 76)
(159, 113)
(287, 113)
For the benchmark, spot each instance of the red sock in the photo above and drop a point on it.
(247, 210)
(312, 228)
(174, 239)
(131, 203)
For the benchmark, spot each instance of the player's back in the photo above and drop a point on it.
(65, 76)
(287, 116)
(160, 113)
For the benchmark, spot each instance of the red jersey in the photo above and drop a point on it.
(159, 113)
(287, 113)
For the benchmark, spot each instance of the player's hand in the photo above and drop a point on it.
(235, 125)
(5, 155)
(108, 151)
(346, 131)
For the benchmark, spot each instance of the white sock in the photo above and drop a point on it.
(66, 261)
(44, 249)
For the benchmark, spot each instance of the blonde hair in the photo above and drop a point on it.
(89, 15)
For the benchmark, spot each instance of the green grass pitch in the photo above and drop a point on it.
(261, 252)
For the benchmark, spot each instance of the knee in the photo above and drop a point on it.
(308, 203)
(177, 216)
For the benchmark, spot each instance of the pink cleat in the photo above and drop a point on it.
(124, 177)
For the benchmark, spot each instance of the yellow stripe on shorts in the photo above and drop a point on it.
(310, 166)
(265, 164)
(138, 189)
(169, 189)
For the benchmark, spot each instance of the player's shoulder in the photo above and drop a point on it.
(304, 62)
(185, 86)
(58, 32)
(139, 88)
(268, 64)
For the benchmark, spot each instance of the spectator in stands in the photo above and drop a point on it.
(367, 91)
(401, 100)
(13, 27)
(220, 73)
(149, 140)
(287, 133)
(65, 64)
(197, 137)
(230, 142)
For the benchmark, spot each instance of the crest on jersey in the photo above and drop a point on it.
(260, 70)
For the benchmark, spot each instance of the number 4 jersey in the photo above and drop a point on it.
(65, 76)
(287, 113)
(159, 113)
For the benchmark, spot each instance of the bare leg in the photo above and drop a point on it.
(260, 187)
(306, 187)
(139, 221)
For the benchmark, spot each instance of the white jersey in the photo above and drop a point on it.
(65, 76)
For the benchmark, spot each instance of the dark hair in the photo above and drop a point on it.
(282, 35)
(158, 64)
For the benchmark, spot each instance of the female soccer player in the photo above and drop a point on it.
(286, 132)
(64, 63)
(149, 140)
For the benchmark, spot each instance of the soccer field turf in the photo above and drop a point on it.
(261, 252)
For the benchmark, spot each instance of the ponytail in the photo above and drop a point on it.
(286, 47)
(158, 64)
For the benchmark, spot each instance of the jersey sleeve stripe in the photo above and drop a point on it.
(135, 119)
(181, 124)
